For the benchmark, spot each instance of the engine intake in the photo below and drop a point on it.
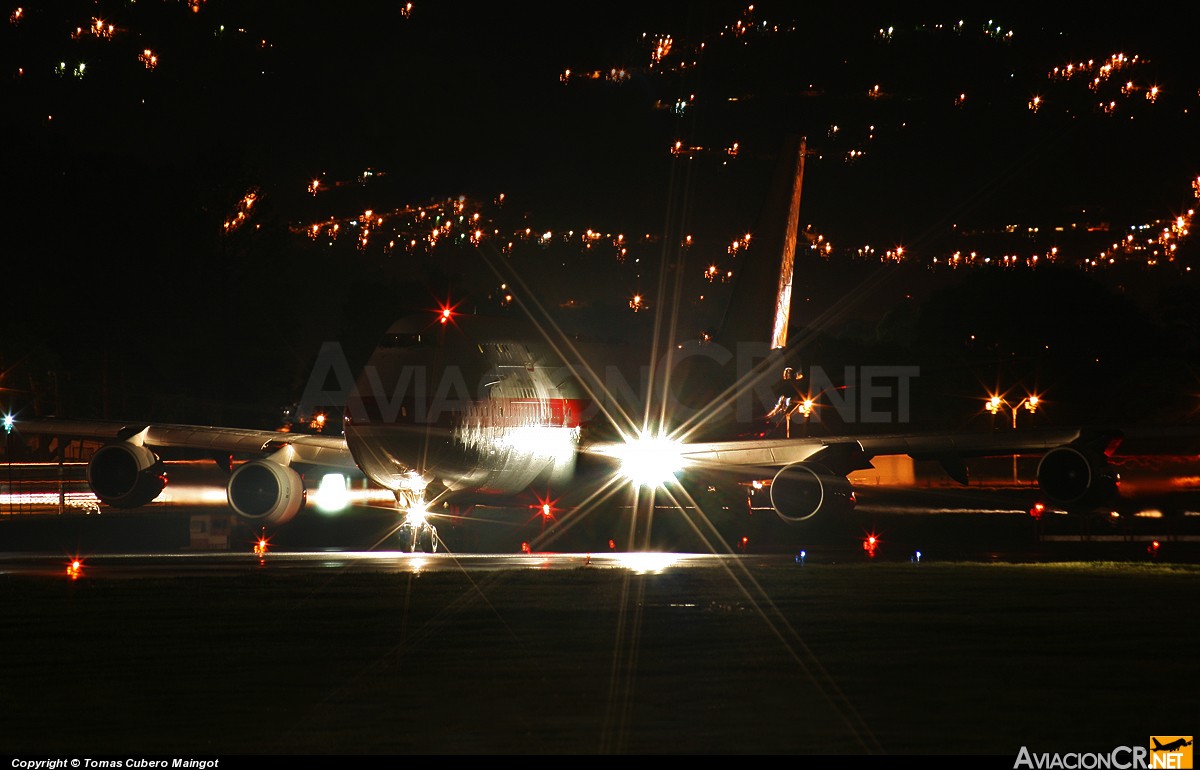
(126, 475)
(266, 492)
(802, 490)
(1076, 478)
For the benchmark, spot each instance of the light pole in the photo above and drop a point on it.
(804, 407)
(995, 403)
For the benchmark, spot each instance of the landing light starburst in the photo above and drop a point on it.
(649, 460)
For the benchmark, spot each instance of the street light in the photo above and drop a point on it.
(995, 403)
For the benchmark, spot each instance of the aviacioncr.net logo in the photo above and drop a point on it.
(1170, 751)
(1173, 751)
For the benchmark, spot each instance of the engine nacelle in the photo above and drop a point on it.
(265, 492)
(1076, 478)
(126, 475)
(802, 490)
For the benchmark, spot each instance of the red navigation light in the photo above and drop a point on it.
(743, 543)
(75, 569)
(544, 506)
(870, 544)
(1152, 549)
(1037, 510)
(445, 314)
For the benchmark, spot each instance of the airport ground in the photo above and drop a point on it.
(735, 655)
(1006, 632)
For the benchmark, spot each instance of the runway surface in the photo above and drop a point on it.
(971, 630)
(396, 653)
(132, 566)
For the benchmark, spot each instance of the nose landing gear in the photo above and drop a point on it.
(416, 533)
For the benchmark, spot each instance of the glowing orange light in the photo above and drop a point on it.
(261, 545)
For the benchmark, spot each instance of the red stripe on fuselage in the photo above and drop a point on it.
(493, 412)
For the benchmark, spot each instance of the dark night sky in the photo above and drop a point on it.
(121, 282)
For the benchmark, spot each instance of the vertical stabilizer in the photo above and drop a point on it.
(759, 304)
(783, 297)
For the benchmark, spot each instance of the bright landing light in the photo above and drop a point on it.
(649, 461)
(333, 494)
(416, 515)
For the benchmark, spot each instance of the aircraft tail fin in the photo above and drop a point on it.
(760, 304)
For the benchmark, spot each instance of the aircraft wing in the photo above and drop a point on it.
(843, 454)
(266, 490)
(805, 477)
(316, 450)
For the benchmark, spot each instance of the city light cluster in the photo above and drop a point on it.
(462, 221)
(98, 28)
(1097, 75)
(1151, 243)
(242, 211)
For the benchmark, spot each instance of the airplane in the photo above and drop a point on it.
(509, 416)
(459, 410)
(1174, 745)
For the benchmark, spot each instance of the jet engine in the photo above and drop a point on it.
(1076, 478)
(802, 490)
(126, 475)
(265, 492)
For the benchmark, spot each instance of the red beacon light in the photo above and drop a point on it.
(1037, 510)
(544, 507)
(445, 318)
